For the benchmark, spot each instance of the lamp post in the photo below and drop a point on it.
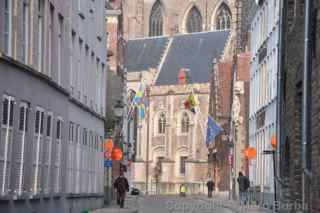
(147, 158)
(118, 109)
(118, 112)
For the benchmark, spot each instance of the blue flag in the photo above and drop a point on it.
(141, 111)
(213, 130)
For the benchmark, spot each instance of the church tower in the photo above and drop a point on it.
(149, 18)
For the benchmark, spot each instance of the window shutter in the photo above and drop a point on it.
(5, 111)
(41, 125)
(22, 118)
(11, 113)
(36, 129)
(49, 125)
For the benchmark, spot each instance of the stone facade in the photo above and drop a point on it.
(291, 108)
(52, 109)
(263, 96)
(136, 21)
(172, 144)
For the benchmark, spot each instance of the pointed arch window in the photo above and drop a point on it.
(162, 123)
(185, 122)
(194, 21)
(156, 20)
(223, 19)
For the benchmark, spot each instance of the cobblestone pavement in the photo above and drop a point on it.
(176, 204)
(234, 205)
(131, 206)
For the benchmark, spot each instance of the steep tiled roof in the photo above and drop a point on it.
(142, 54)
(194, 51)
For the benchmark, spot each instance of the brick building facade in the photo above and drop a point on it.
(291, 167)
(219, 108)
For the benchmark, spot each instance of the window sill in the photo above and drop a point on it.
(183, 134)
(160, 135)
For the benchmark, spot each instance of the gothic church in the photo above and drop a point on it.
(165, 36)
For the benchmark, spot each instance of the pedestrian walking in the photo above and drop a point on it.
(122, 186)
(183, 190)
(210, 186)
(244, 185)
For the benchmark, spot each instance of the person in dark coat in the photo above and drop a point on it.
(122, 186)
(210, 185)
(244, 185)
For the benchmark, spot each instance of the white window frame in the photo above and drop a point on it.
(25, 32)
(181, 117)
(25, 120)
(185, 165)
(50, 39)
(8, 33)
(157, 123)
(10, 99)
(86, 75)
(80, 68)
(38, 134)
(60, 43)
(40, 33)
(92, 77)
(72, 63)
(59, 142)
(97, 84)
(50, 138)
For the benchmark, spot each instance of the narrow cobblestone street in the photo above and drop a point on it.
(175, 204)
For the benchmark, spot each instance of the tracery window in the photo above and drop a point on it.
(156, 20)
(223, 19)
(162, 123)
(185, 121)
(194, 21)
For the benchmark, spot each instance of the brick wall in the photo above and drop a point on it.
(243, 74)
(222, 115)
(292, 74)
(112, 29)
(220, 103)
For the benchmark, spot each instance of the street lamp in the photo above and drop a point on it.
(118, 109)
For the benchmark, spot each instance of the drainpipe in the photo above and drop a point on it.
(305, 118)
(280, 89)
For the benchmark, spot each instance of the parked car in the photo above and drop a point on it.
(135, 191)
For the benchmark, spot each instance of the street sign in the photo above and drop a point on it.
(107, 163)
(268, 152)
